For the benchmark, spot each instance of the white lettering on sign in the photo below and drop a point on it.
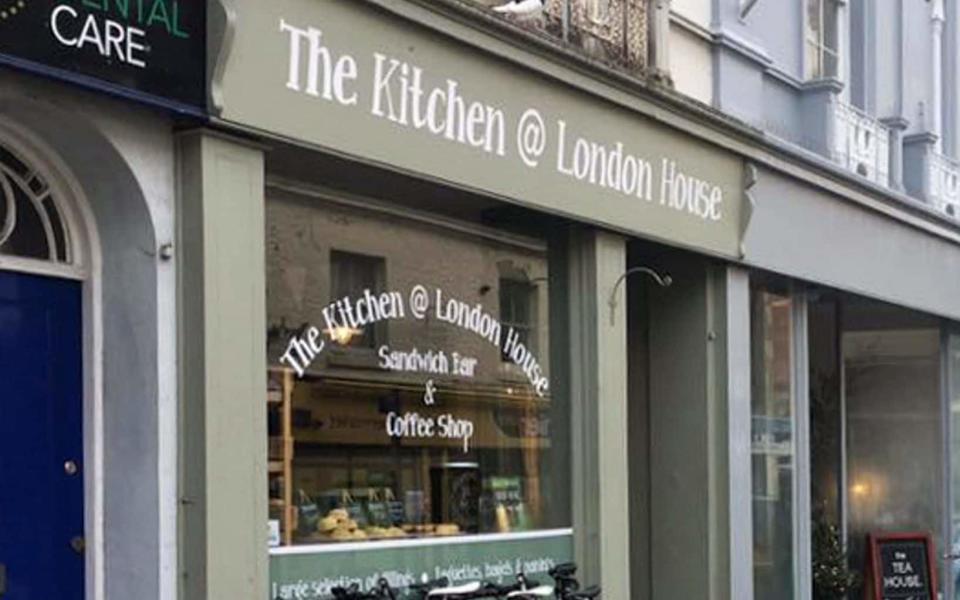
(347, 317)
(406, 95)
(415, 425)
(108, 37)
(684, 192)
(399, 96)
(472, 318)
(301, 352)
(501, 570)
(363, 311)
(434, 362)
(320, 64)
(605, 166)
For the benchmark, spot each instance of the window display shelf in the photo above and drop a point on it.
(280, 457)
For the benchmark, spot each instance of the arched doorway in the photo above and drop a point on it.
(43, 457)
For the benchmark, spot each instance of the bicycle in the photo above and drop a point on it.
(568, 586)
(522, 589)
(383, 591)
(475, 590)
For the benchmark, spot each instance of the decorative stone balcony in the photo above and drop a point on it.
(861, 143)
(611, 31)
(944, 190)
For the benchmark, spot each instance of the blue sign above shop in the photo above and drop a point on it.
(150, 50)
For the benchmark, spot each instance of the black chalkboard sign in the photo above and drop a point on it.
(154, 50)
(900, 567)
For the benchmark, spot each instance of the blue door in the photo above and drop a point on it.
(41, 443)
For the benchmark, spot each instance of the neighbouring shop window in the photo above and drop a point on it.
(410, 379)
(772, 443)
(821, 39)
(826, 424)
(895, 447)
(954, 399)
(877, 449)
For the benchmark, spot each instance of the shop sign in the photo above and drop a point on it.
(151, 49)
(900, 567)
(309, 573)
(347, 317)
(344, 76)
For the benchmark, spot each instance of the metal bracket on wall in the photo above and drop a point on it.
(664, 280)
(746, 6)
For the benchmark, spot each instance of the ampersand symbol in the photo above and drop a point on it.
(428, 396)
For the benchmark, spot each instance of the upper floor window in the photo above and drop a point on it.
(821, 39)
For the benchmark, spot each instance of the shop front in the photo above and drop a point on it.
(445, 273)
(416, 427)
(88, 493)
(455, 305)
(852, 432)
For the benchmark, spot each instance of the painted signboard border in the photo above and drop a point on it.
(872, 585)
(96, 84)
(485, 538)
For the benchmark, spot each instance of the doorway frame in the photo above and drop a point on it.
(85, 267)
(949, 389)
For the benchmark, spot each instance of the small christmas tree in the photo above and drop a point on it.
(832, 577)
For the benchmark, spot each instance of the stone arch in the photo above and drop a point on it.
(108, 214)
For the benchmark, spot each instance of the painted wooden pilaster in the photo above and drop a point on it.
(223, 514)
(599, 396)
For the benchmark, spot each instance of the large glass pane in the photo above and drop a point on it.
(410, 379)
(894, 439)
(826, 439)
(772, 405)
(831, 25)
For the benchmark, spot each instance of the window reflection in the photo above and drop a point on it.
(894, 442)
(409, 379)
(772, 445)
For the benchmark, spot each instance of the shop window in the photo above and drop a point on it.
(821, 39)
(891, 382)
(954, 399)
(876, 430)
(30, 223)
(772, 444)
(430, 442)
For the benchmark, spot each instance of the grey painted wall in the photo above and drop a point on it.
(777, 34)
(841, 245)
(887, 70)
(122, 159)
